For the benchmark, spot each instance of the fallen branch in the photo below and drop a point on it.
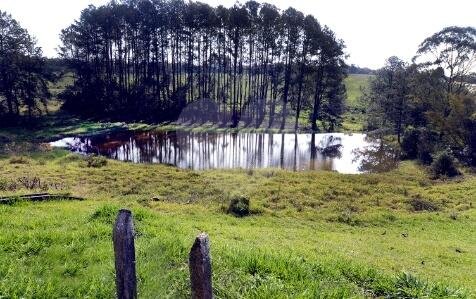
(37, 197)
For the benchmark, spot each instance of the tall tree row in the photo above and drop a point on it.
(149, 59)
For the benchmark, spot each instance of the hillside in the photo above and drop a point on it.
(355, 110)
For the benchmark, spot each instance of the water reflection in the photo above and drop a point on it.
(338, 152)
(378, 157)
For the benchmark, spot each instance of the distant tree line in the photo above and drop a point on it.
(354, 69)
(471, 78)
(148, 59)
(57, 66)
(428, 104)
(23, 76)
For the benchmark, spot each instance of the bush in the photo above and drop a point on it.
(444, 165)
(19, 160)
(346, 217)
(239, 206)
(427, 143)
(4, 139)
(419, 143)
(96, 161)
(410, 144)
(3, 184)
(419, 204)
(70, 158)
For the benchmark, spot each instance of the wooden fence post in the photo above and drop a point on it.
(125, 258)
(201, 268)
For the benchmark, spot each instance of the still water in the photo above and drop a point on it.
(336, 151)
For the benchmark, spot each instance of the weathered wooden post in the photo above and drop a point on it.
(201, 268)
(124, 252)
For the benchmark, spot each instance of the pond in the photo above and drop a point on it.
(344, 153)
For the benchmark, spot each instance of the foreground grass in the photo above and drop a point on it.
(312, 234)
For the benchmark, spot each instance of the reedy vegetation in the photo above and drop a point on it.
(146, 60)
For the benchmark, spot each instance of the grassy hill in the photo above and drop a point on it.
(354, 84)
(355, 109)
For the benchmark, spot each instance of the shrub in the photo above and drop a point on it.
(33, 183)
(419, 204)
(347, 217)
(410, 144)
(70, 158)
(419, 143)
(426, 145)
(444, 165)
(409, 286)
(19, 160)
(4, 139)
(96, 161)
(239, 206)
(3, 184)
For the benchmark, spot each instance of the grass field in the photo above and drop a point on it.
(311, 234)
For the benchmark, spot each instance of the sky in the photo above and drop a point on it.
(372, 30)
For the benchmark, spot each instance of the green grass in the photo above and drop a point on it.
(354, 116)
(311, 234)
(354, 84)
(48, 128)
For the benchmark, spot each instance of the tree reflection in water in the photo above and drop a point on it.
(199, 151)
(379, 156)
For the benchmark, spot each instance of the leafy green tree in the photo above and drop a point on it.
(388, 98)
(429, 103)
(329, 71)
(23, 75)
(454, 50)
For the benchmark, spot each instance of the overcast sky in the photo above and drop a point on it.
(372, 29)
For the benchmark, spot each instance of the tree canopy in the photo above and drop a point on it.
(454, 50)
